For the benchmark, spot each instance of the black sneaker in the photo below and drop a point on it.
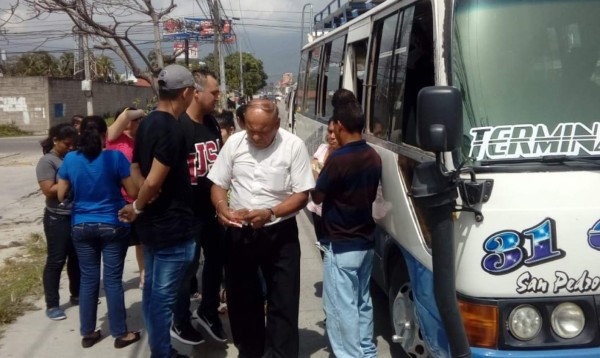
(74, 300)
(175, 354)
(185, 333)
(213, 327)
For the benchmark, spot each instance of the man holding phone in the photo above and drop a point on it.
(268, 172)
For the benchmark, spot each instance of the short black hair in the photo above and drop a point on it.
(225, 119)
(201, 75)
(346, 110)
(240, 112)
(342, 97)
(170, 95)
(76, 118)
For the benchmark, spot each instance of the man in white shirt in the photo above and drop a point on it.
(268, 173)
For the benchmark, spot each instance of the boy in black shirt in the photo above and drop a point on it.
(165, 224)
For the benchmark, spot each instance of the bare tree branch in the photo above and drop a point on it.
(102, 20)
(6, 15)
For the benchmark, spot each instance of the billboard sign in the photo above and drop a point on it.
(192, 50)
(193, 27)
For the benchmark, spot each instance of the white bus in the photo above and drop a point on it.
(486, 114)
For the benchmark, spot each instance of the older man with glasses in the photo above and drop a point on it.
(268, 173)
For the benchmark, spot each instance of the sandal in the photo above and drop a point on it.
(90, 340)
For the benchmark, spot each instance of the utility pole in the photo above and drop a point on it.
(241, 69)
(239, 47)
(86, 86)
(186, 48)
(218, 52)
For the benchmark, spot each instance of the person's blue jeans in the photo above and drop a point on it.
(164, 271)
(95, 242)
(347, 302)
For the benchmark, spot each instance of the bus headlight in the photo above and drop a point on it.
(524, 322)
(567, 320)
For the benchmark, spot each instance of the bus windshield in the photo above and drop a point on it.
(529, 72)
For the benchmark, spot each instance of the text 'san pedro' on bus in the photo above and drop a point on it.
(486, 115)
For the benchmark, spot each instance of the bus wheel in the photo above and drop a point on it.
(406, 327)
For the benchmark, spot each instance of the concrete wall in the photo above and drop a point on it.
(107, 98)
(36, 103)
(24, 102)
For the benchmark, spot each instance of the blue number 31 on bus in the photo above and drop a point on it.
(505, 250)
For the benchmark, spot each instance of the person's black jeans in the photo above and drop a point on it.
(57, 229)
(210, 236)
(275, 250)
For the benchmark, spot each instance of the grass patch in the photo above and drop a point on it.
(21, 280)
(11, 130)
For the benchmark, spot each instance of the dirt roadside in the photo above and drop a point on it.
(21, 203)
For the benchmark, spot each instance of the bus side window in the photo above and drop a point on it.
(383, 70)
(310, 102)
(301, 90)
(419, 69)
(333, 76)
(324, 79)
(360, 67)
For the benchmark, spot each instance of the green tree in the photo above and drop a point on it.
(254, 73)
(104, 68)
(34, 64)
(66, 65)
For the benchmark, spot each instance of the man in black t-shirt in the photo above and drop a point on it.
(165, 224)
(203, 142)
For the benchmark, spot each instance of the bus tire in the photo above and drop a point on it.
(405, 325)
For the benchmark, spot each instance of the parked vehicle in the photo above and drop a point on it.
(486, 116)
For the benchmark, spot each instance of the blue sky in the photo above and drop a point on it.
(269, 29)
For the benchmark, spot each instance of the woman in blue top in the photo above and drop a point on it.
(96, 176)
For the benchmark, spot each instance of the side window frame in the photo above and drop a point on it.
(391, 97)
(313, 81)
(336, 50)
(302, 76)
(379, 88)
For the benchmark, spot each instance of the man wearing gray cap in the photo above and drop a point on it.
(162, 210)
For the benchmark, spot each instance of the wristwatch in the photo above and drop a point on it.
(273, 217)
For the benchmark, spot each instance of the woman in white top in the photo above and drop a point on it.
(318, 161)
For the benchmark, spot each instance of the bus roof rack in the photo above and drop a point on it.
(332, 16)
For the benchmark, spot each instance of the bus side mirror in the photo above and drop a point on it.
(439, 119)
